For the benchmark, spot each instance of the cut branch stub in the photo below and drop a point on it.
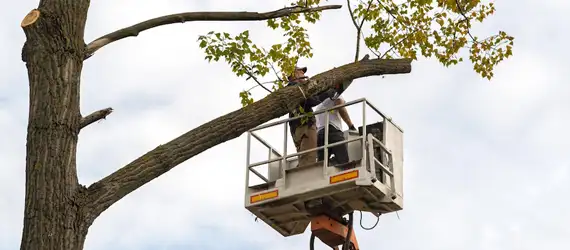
(30, 18)
(95, 116)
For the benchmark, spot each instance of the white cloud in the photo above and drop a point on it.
(485, 165)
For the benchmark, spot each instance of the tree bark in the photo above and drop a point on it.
(53, 53)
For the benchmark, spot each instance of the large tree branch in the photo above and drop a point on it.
(160, 160)
(196, 16)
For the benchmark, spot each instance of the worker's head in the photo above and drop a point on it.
(298, 74)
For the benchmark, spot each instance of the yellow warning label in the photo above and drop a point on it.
(263, 196)
(344, 176)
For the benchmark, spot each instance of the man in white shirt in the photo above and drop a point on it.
(335, 129)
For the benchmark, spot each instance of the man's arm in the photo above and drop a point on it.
(343, 113)
(332, 93)
(317, 99)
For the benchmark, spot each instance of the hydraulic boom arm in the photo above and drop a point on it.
(334, 232)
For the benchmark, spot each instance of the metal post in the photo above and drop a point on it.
(283, 164)
(247, 162)
(364, 131)
(269, 151)
(326, 144)
(371, 161)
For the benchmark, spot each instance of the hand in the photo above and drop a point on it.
(352, 130)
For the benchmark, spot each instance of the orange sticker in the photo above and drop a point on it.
(344, 176)
(263, 196)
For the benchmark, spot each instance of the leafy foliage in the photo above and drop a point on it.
(404, 28)
(249, 59)
(434, 28)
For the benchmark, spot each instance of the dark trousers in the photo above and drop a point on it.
(340, 152)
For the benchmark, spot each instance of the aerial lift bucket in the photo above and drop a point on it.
(291, 197)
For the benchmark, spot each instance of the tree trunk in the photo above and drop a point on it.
(53, 53)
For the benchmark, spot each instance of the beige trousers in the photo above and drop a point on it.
(305, 138)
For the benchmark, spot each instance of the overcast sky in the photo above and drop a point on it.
(486, 163)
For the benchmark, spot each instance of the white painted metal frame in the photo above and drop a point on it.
(299, 187)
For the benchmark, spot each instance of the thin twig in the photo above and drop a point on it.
(263, 83)
(396, 44)
(359, 30)
(351, 14)
(466, 20)
(272, 67)
(252, 76)
(387, 10)
(275, 71)
(371, 51)
(257, 81)
(247, 71)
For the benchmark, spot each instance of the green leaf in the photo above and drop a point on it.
(203, 44)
